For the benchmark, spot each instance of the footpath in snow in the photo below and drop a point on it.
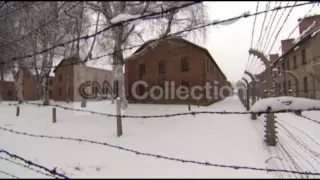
(220, 139)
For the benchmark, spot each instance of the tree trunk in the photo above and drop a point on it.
(1, 83)
(17, 84)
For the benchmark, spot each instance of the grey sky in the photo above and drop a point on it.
(229, 44)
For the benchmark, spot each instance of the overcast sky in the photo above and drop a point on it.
(229, 44)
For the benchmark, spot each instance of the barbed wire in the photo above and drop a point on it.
(303, 132)
(8, 174)
(298, 141)
(305, 117)
(18, 9)
(194, 113)
(45, 24)
(206, 163)
(25, 166)
(101, 31)
(143, 17)
(30, 163)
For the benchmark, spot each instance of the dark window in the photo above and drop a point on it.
(185, 83)
(294, 62)
(289, 84)
(141, 90)
(50, 93)
(60, 77)
(208, 64)
(284, 86)
(162, 84)
(9, 93)
(162, 67)
(142, 70)
(60, 92)
(283, 65)
(184, 64)
(303, 56)
(288, 64)
(50, 82)
(305, 83)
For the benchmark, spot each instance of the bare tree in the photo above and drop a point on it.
(124, 34)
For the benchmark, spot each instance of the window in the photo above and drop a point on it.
(284, 86)
(9, 93)
(141, 90)
(208, 63)
(162, 67)
(162, 84)
(60, 92)
(184, 64)
(294, 62)
(283, 65)
(289, 84)
(60, 77)
(303, 56)
(142, 70)
(288, 64)
(50, 82)
(305, 84)
(185, 83)
(50, 93)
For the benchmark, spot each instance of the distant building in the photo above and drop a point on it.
(301, 56)
(67, 79)
(173, 59)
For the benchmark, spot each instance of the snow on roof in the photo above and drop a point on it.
(304, 32)
(296, 48)
(8, 77)
(315, 33)
(123, 17)
(285, 103)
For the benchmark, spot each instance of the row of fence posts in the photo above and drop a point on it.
(118, 118)
(254, 91)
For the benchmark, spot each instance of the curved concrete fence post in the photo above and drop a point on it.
(276, 91)
(268, 75)
(247, 94)
(253, 87)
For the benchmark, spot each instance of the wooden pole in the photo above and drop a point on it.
(119, 123)
(18, 111)
(54, 115)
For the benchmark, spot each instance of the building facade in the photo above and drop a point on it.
(174, 61)
(302, 57)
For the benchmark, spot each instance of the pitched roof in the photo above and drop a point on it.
(303, 39)
(153, 43)
(69, 60)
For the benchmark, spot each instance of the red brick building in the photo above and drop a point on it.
(8, 91)
(173, 59)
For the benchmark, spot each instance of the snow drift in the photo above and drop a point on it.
(285, 103)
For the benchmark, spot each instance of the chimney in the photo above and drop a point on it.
(308, 21)
(273, 57)
(286, 45)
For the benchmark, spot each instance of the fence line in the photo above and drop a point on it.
(161, 156)
(30, 163)
(177, 114)
(9, 174)
(25, 166)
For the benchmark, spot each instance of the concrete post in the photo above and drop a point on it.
(270, 129)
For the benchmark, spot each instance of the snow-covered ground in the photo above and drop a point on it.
(221, 139)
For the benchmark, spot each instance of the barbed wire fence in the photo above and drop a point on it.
(54, 172)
